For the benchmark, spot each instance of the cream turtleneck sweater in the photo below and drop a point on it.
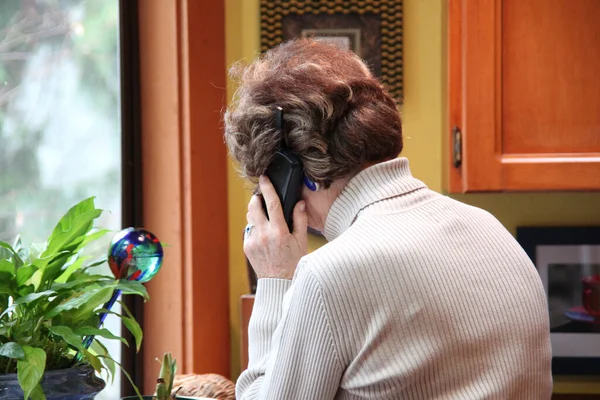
(416, 296)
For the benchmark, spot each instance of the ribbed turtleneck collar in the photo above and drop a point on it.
(378, 182)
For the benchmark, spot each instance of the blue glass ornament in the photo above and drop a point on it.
(135, 254)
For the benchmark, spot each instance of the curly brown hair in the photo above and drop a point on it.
(338, 117)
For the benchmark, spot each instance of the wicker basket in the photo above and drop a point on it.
(205, 385)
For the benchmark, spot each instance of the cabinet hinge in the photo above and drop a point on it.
(456, 147)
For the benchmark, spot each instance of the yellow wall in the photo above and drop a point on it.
(242, 27)
(423, 113)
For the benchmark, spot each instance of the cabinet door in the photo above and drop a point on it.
(524, 95)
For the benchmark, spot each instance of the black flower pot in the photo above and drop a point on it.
(79, 383)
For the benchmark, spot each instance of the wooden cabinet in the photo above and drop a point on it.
(524, 95)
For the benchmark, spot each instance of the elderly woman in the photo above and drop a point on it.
(414, 296)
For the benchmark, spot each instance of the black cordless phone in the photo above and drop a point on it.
(286, 174)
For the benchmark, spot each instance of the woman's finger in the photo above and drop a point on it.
(300, 223)
(272, 201)
(256, 214)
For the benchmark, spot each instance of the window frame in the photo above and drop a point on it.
(131, 171)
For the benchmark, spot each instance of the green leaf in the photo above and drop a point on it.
(173, 373)
(106, 311)
(101, 297)
(42, 262)
(93, 360)
(30, 298)
(66, 221)
(66, 290)
(18, 244)
(49, 267)
(101, 352)
(3, 305)
(31, 369)
(167, 372)
(5, 254)
(23, 255)
(83, 281)
(24, 273)
(54, 268)
(132, 287)
(126, 309)
(93, 236)
(25, 290)
(68, 336)
(110, 366)
(8, 324)
(96, 263)
(137, 391)
(38, 393)
(70, 231)
(36, 279)
(7, 247)
(8, 310)
(105, 333)
(7, 266)
(133, 327)
(16, 260)
(7, 284)
(84, 303)
(12, 350)
(70, 269)
(36, 250)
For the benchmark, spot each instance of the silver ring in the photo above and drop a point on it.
(248, 229)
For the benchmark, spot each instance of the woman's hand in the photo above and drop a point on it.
(272, 250)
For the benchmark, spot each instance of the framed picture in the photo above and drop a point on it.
(370, 28)
(347, 39)
(568, 261)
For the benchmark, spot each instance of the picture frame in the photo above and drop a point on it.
(563, 256)
(348, 39)
(373, 29)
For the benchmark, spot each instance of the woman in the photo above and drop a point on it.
(415, 295)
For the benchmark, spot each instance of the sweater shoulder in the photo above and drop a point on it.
(387, 238)
(331, 263)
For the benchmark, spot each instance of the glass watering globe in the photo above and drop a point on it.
(135, 254)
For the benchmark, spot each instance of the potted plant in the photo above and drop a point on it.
(164, 383)
(50, 302)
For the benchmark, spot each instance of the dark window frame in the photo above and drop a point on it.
(131, 170)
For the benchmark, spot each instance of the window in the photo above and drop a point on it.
(60, 123)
